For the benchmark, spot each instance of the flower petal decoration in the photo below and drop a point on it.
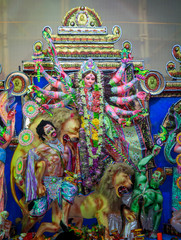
(26, 137)
(30, 109)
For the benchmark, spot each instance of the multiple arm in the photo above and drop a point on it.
(53, 55)
(64, 83)
(51, 94)
(118, 76)
(124, 88)
(65, 86)
(125, 100)
(57, 83)
(54, 82)
(120, 99)
(114, 112)
(62, 103)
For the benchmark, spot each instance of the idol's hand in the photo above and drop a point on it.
(45, 106)
(121, 121)
(141, 95)
(156, 150)
(136, 111)
(38, 65)
(11, 114)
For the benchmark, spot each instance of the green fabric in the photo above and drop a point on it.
(176, 196)
(110, 130)
(135, 151)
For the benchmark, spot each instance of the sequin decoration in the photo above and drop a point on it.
(19, 165)
(20, 81)
(178, 182)
(178, 138)
(26, 137)
(178, 159)
(30, 109)
(154, 83)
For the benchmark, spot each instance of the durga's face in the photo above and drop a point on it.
(89, 80)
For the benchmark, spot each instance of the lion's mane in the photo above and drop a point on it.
(106, 187)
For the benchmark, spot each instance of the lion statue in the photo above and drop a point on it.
(107, 198)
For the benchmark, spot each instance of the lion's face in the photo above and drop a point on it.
(122, 183)
(70, 128)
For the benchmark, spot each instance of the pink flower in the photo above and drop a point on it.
(96, 94)
(98, 172)
(96, 109)
(96, 102)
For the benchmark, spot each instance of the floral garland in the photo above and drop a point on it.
(91, 147)
(94, 141)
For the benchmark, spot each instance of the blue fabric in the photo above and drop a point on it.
(69, 191)
(40, 207)
(2, 155)
(53, 188)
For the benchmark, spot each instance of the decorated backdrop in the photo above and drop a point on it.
(90, 139)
